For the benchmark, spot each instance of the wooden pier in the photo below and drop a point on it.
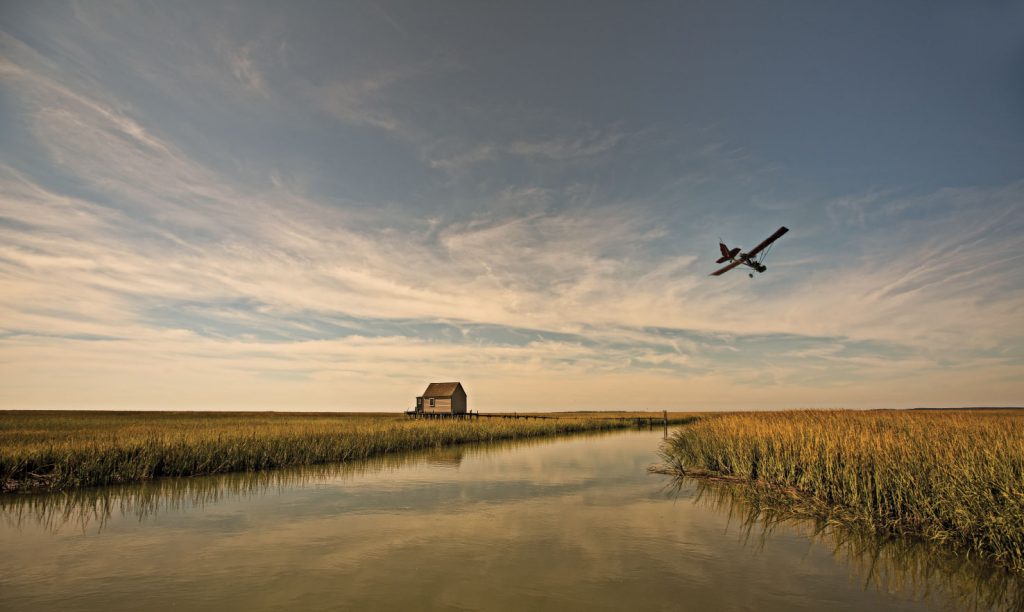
(649, 421)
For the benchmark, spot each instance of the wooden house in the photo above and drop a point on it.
(442, 398)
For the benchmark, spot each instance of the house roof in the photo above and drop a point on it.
(445, 389)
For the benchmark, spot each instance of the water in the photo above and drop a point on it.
(568, 524)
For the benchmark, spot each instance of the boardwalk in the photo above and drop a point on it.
(649, 421)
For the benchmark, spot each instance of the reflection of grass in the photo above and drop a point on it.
(917, 568)
(86, 507)
(952, 478)
(61, 450)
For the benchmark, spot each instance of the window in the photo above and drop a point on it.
(431, 402)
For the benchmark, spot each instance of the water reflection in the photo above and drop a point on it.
(557, 524)
(888, 564)
(94, 507)
(446, 457)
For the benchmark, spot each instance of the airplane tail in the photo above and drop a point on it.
(725, 253)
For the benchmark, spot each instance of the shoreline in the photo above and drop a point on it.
(60, 451)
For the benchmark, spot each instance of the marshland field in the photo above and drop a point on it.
(53, 450)
(949, 477)
(922, 509)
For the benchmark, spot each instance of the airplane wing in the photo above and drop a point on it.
(726, 268)
(770, 239)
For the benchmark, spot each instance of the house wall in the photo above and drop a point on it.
(441, 404)
(459, 401)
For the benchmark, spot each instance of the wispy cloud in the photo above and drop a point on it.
(585, 146)
(562, 148)
(244, 69)
(133, 272)
(374, 98)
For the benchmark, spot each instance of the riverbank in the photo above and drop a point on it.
(58, 450)
(955, 478)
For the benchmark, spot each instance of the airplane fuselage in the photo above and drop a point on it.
(750, 263)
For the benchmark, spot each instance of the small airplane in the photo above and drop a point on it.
(750, 258)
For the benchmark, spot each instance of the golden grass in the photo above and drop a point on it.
(949, 477)
(61, 450)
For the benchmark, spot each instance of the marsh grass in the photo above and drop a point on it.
(951, 478)
(63, 450)
(87, 508)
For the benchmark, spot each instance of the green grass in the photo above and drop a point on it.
(62, 450)
(954, 478)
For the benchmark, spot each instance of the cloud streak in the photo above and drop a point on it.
(146, 277)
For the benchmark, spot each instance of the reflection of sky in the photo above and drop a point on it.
(572, 524)
(264, 207)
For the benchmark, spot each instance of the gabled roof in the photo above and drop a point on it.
(446, 389)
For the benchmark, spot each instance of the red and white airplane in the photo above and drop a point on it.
(751, 258)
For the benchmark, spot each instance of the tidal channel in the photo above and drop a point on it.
(573, 523)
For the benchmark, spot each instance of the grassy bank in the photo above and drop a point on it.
(950, 477)
(61, 450)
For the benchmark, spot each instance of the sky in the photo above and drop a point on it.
(327, 205)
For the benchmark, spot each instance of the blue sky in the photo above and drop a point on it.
(311, 206)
